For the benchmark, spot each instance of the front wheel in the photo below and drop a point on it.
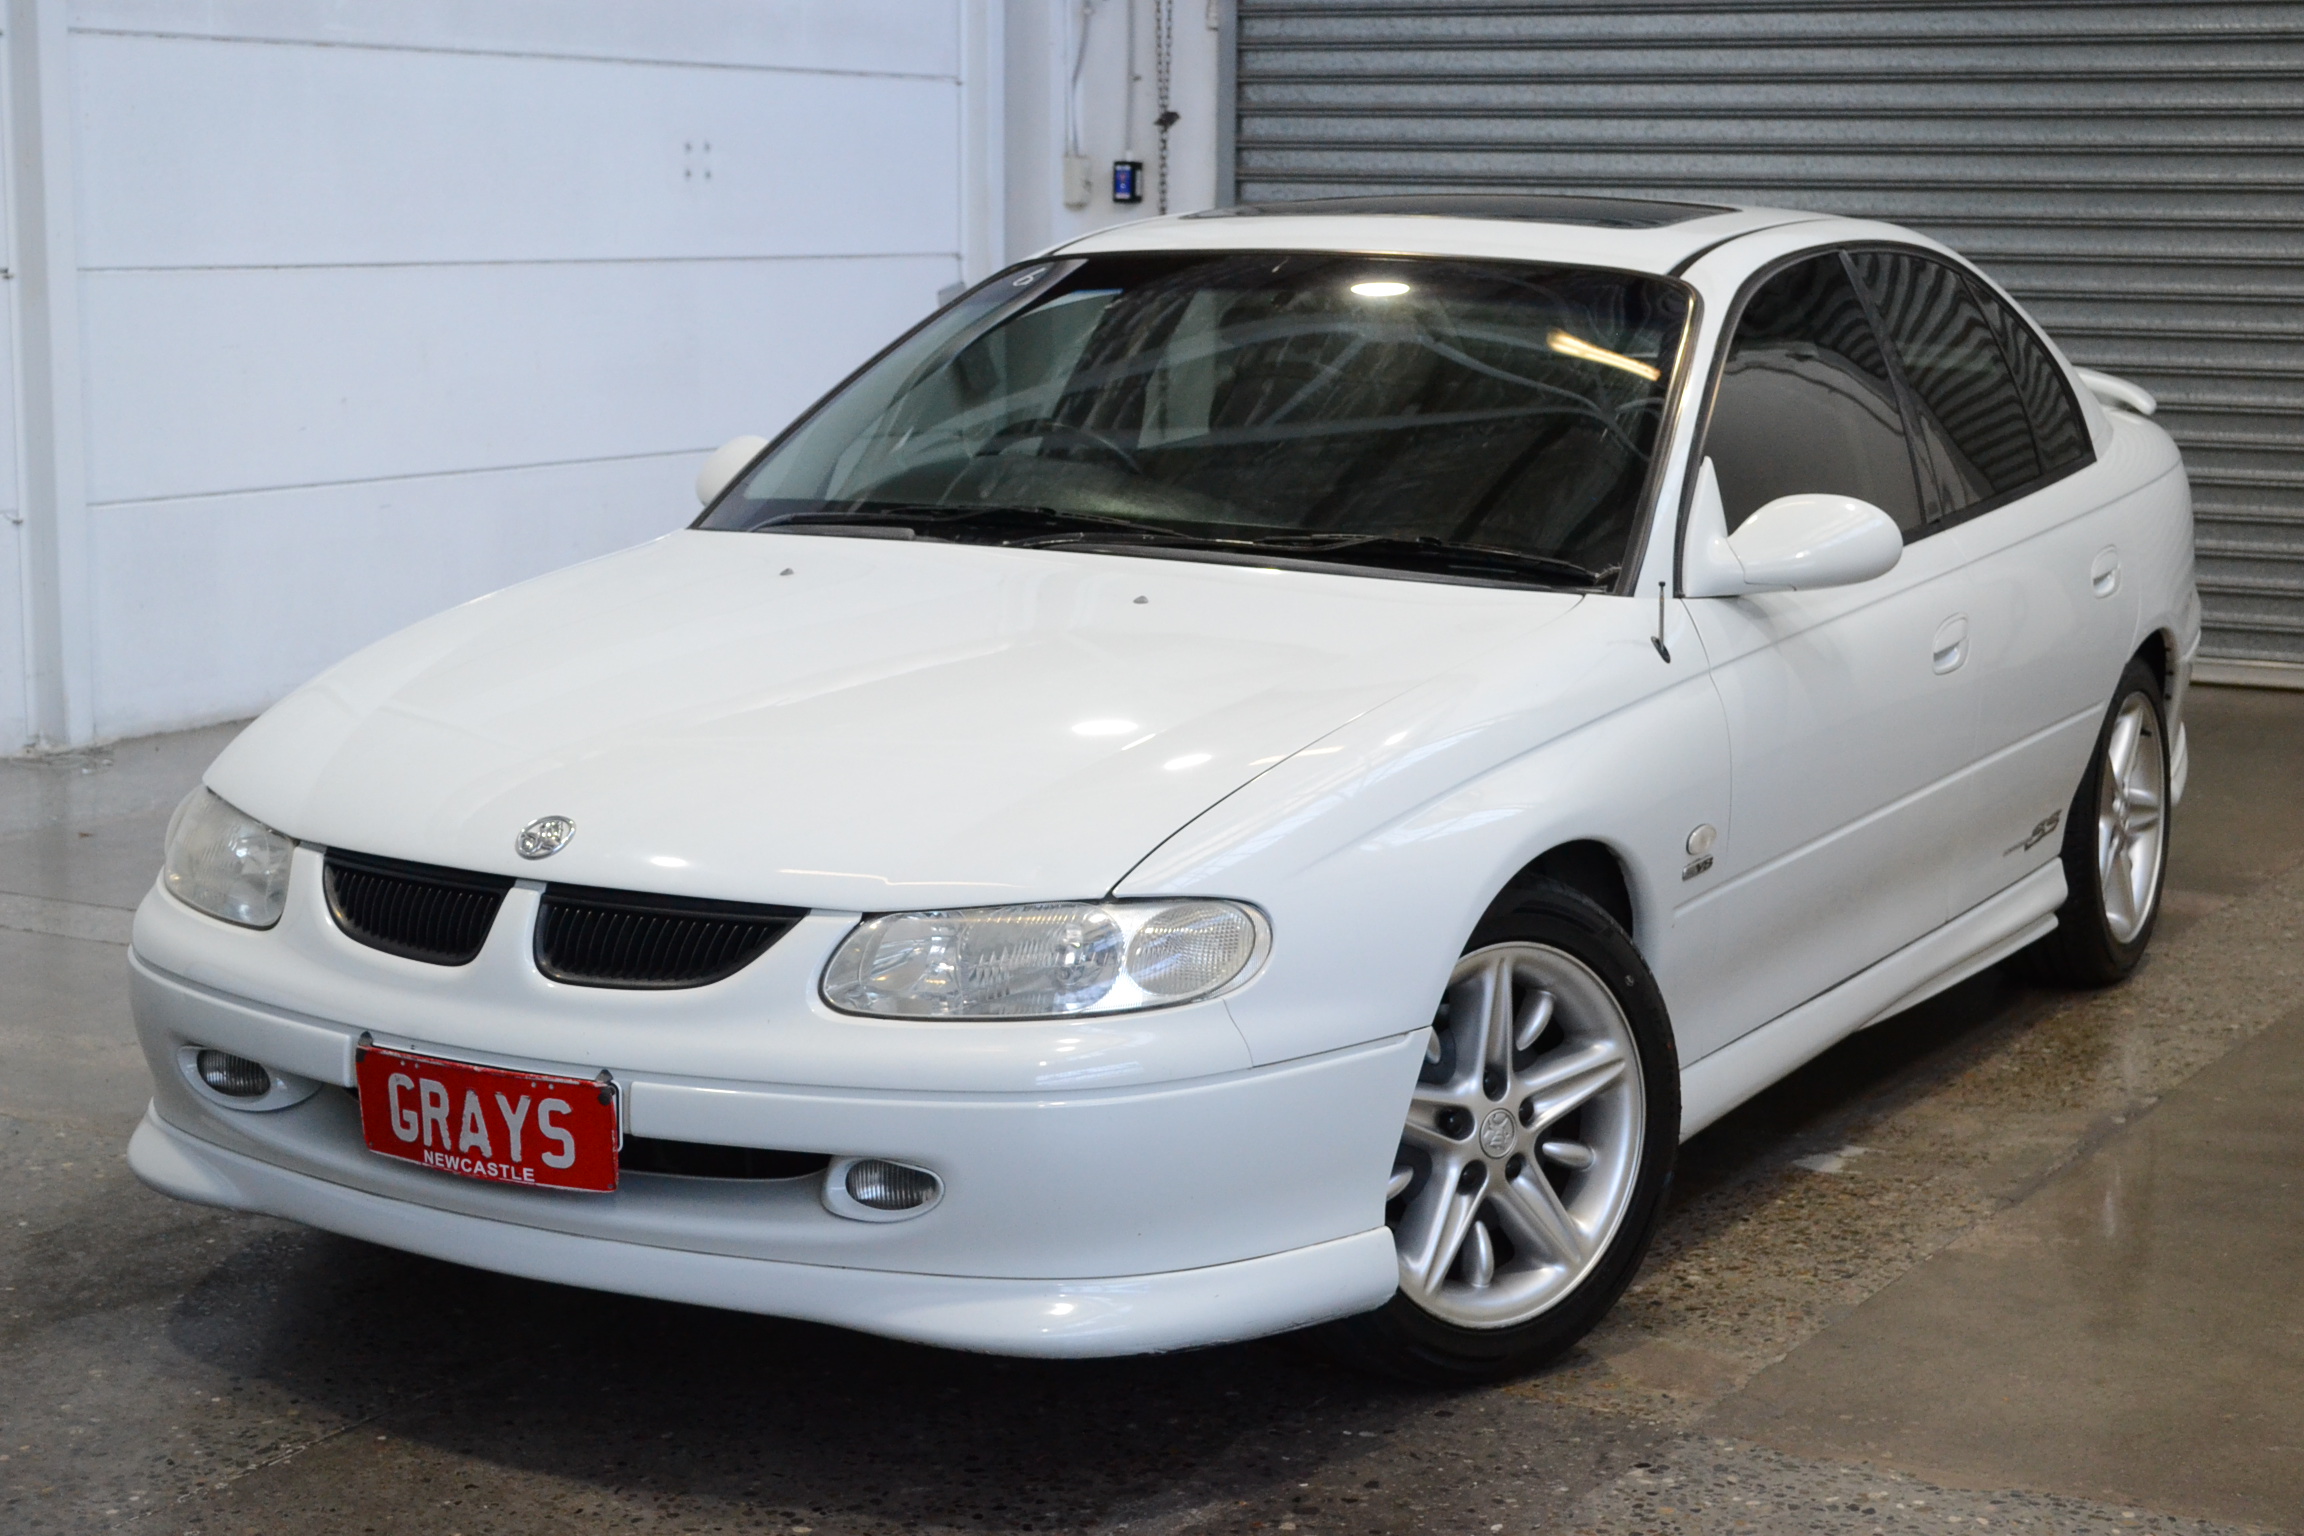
(2115, 846)
(1538, 1142)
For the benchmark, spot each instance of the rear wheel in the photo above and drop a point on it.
(2115, 846)
(1537, 1145)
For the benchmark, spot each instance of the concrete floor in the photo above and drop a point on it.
(2018, 1260)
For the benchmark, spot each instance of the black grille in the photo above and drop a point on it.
(702, 1160)
(595, 938)
(418, 911)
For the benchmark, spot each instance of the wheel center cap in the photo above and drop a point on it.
(1498, 1131)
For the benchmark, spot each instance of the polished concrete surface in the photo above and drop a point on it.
(2135, 1329)
(2017, 1260)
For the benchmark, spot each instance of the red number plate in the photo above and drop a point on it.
(486, 1123)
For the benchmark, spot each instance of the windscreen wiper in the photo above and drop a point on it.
(1425, 553)
(989, 523)
(1030, 527)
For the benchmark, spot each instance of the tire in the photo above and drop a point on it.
(1537, 1147)
(2115, 846)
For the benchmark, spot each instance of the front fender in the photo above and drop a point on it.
(1376, 850)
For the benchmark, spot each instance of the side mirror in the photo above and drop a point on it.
(1793, 544)
(726, 463)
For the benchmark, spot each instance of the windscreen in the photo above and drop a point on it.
(1379, 410)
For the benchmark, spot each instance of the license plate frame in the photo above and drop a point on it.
(494, 1125)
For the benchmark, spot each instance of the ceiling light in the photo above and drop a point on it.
(1379, 290)
(1575, 346)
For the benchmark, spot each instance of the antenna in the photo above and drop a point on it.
(1657, 640)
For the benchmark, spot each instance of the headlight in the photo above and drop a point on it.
(1043, 961)
(226, 864)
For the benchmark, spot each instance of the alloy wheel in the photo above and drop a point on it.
(1523, 1139)
(2131, 822)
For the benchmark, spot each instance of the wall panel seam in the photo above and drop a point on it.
(416, 474)
(252, 40)
(525, 261)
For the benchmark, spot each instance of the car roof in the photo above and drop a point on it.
(1636, 234)
(1526, 207)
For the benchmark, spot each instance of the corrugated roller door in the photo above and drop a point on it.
(2135, 173)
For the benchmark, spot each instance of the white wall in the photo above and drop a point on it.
(15, 617)
(1038, 76)
(329, 315)
(378, 307)
(15, 710)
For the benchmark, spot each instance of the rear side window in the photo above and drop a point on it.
(1975, 435)
(1805, 403)
(2057, 426)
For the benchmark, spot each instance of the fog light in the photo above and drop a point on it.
(235, 1077)
(886, 1186)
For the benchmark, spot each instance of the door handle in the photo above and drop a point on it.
(2104, 572)
(1951, 643)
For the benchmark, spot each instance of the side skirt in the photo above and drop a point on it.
(1983, 935)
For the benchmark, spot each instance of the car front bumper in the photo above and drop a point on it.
(1117, 1315)
(1083, 1222)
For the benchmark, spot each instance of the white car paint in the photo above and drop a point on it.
(1847, 746)
(1798, 543)
(904, 725)
(855, 725)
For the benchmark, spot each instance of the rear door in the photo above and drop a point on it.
(2006, 455)
(1851, 710)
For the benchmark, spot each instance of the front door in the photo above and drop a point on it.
(1851, 711)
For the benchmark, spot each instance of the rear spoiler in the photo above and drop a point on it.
(2118, 392)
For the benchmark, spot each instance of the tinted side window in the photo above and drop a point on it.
(1975, 436)
(1805, 402)
(2057, 425)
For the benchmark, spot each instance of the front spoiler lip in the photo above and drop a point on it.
(1063, 1319)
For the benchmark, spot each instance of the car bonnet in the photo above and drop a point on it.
(845, 723)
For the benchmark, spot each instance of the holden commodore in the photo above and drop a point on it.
(1256, 770)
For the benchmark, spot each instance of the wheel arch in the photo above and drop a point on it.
(2158, 651)
(1587, 866)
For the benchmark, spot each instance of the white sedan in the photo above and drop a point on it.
(1259, 769)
